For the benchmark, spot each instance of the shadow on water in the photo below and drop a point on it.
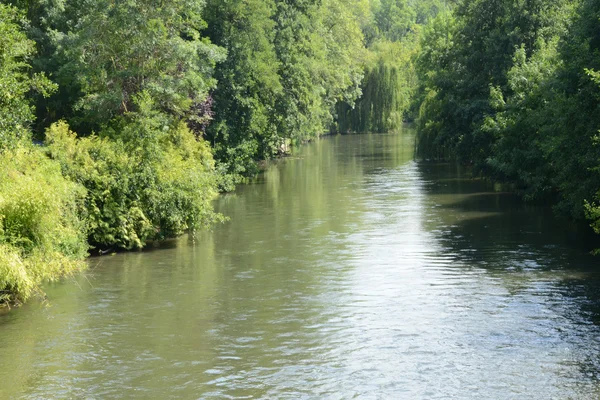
(526, 247)
(481, 218)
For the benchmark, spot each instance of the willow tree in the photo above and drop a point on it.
(388, 88)
(392, 29)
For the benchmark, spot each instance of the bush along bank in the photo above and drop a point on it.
(60, 200)
(42, 234)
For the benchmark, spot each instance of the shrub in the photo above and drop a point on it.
(143, 182)
(42, 237)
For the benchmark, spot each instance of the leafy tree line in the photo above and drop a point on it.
(512, 87)
(120, 121)
(288, 64)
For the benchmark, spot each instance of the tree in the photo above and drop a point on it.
(483, 43)
(575, 150)
(392, 30)
(288, 64)
(16, 79)
(319, 46)
(395, 19)
(245, 125)
(115, 50)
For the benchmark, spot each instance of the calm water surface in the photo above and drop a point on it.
(346, 271)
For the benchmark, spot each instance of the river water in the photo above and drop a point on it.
(346, 271)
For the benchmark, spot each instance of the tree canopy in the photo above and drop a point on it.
(512, 88)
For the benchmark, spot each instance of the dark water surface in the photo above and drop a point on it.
(347, 271)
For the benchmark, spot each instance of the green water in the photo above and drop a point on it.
(346, 271)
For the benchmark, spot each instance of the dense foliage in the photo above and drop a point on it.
(138, 191)
(288, 64)
(42, 236)
(16, 80)
(392, 29)
(512, 88)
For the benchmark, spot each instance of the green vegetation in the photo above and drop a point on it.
(141, 112)
(288, 65)
(388, 88)
(138, 191)
(392, 30)
(16, 81)
(42, 236)
(512, 88)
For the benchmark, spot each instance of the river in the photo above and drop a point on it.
(346, 271)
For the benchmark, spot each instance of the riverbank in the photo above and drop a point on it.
(142, 126)
(76, 197)
(72, 194)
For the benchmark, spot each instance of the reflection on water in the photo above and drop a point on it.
(346, 271)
